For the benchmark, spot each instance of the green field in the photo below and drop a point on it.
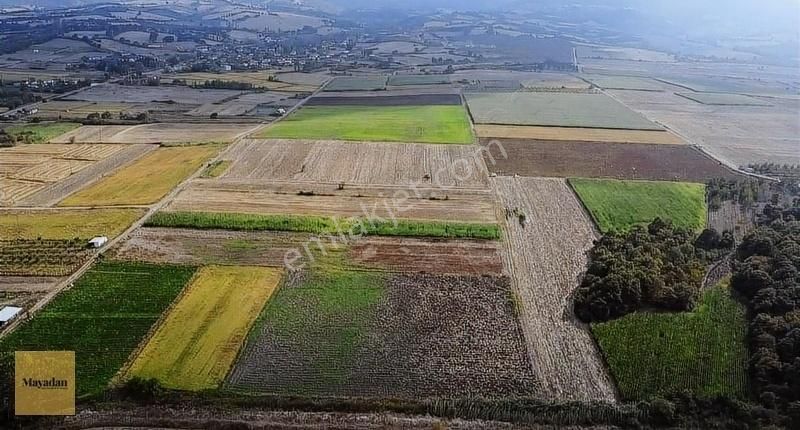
(357, 83)
(103, 318)
(40, 133)
(402, 80)
(425, 124)
(322, 225)
(703, 351)
(619, 205)
(310, 331)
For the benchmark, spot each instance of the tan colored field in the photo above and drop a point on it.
(545, 257)
(28, 169)
(257, 79)
(198, 341)
(283, 198)
(577, 134)
(358, 163)
(157, 133)
(66, 223)
(147, 180)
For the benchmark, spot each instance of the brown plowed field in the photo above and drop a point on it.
(358, 163)
(475, 257)
(577, 134)
(261, 198)
(602, 160)
(204, 247)
(406, 100)
(546, 255)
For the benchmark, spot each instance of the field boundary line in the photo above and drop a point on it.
(595, 223)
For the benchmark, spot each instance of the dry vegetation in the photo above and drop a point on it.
(298, 199)
(26, 170)
(547, 236)
(157, 133)
(577, 134)
(363, 163)
(145, 181)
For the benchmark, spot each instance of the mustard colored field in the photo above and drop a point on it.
(147, 180)
(197, 343)
(66, 224)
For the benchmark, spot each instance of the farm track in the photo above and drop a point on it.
(545, 258)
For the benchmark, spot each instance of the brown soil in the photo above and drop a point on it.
(602, 160)
(408, 100)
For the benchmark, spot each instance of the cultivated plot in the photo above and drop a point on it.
(196, 344)
(102, 318)
(703, 351)
(619, 205)
(360, 83)
(739, 135)
(404, 80)
(593, 110)
(577, 134)
(65, 223)
(39, 133)
(445, 166)
(335, 332)
(157, 133)
(145, 181)
(428, 124)
(547, 237)
(162, 94)
(431, 99)
(327, 201)
(28, 172)
(723, 99)
(626, 82)
(565, 159)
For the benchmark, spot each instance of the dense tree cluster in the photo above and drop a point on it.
(12, 97)
(767, 275)
(742, 191)
(658, 266)
(224, 85)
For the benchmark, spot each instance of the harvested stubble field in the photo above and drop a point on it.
(26, 170)
(157, 133)
(145, 181)
(619, 205)
(703, 352)
(545, 257)
(592, 110)
(404, 80)
(424, 124)
(566, 159)
(102, 318)
(267, 199)
(196, 344)
(204, 247)
(388, 100)
(64, 224)
(627, 83)
(365, 163)
(732, 217)
(360, 83)
(740, 135)
(577, 134)
(25, 291)
(339, 332)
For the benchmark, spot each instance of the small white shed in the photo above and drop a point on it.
(98, 242)
(8, 313)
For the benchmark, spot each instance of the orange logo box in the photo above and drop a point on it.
(44, 382)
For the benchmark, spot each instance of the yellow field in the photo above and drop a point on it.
(196, 344)
(66, 223)
(257, 79)
(147, 180)
(577, 134)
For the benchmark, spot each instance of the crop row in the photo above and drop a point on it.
(102, 318)
(323, 225)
